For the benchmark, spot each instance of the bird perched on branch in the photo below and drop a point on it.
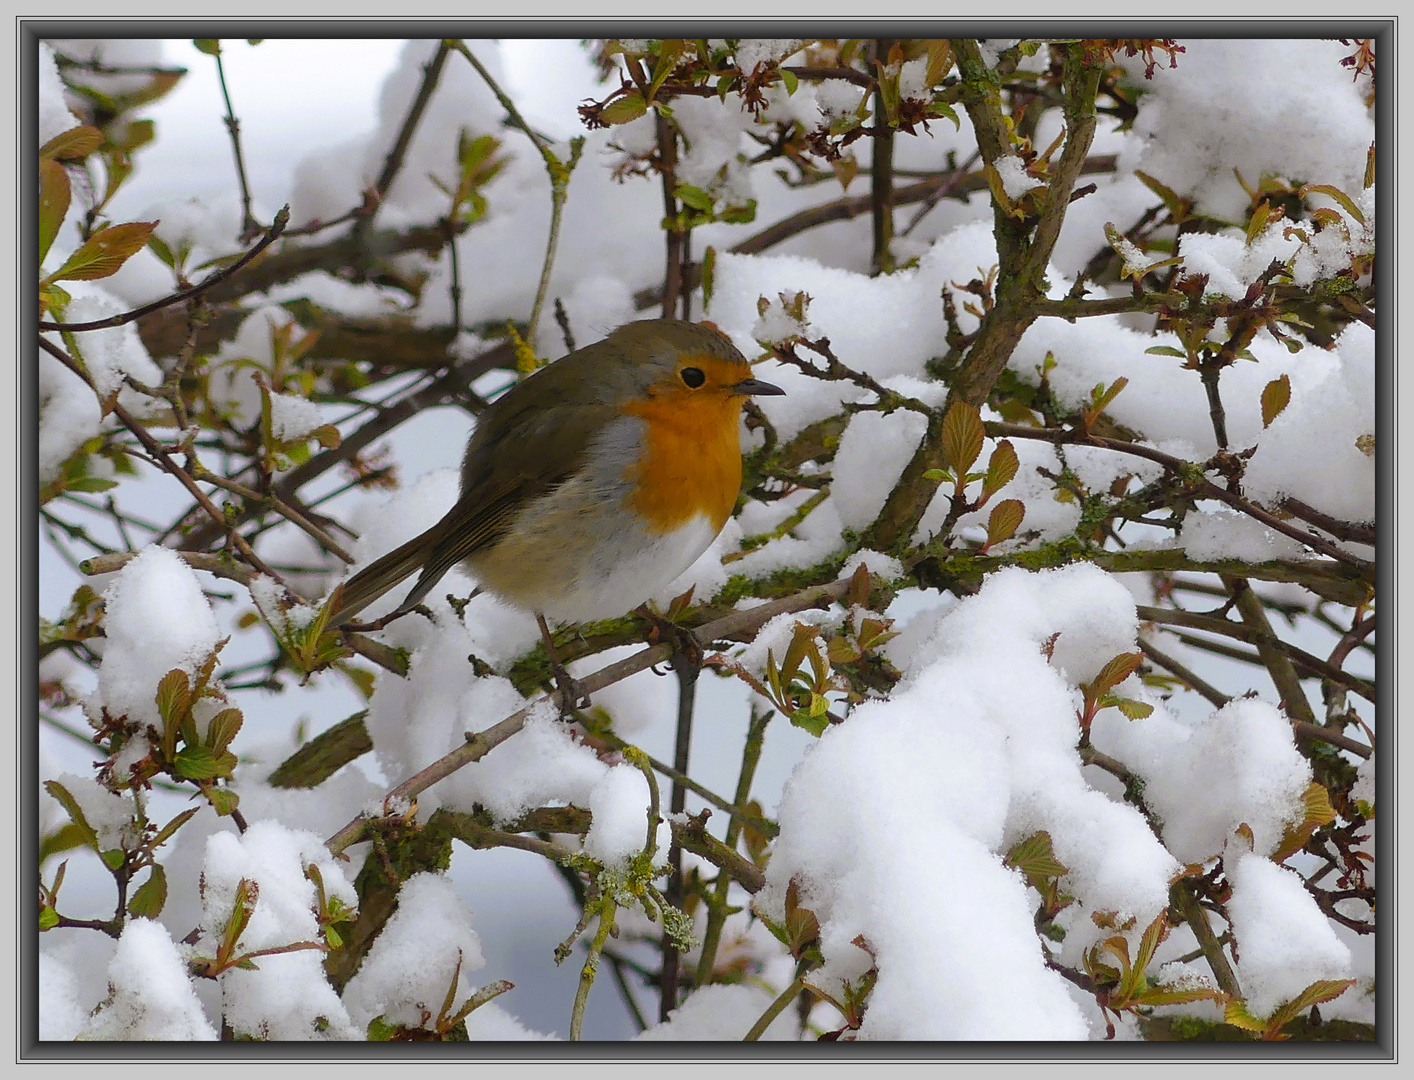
(591, 484)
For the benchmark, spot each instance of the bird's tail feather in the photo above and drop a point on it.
(383, 574)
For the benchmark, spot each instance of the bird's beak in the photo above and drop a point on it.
(756, 388)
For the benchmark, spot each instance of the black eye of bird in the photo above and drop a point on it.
(693, 377)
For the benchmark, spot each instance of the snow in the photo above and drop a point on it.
(1016, 182)
(1243, 759)
(293, 417)
(158, 620)
(287, 995)
(1250, 107)
(427, 942)
(69, 414)
(60, 1015)
(152, 995)
(1287, 943)
(720, 1013)
(1005, 741)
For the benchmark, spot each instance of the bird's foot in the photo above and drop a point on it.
(573, 697)
(687, 650)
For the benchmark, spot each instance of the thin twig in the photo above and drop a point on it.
(1216, 697)
(276, 228)
(1197, 919)
(449, 386)
(1254, 636)
(881, 187)
(667, 161)
(289, 513)
(249, 226)
(591, 965)
(1350, 640)
(1341, 530)
(775, 1008)
(393, 163)
(1335, 738)
(738, 815)
(687, 667)
(558, 171)
(616, 968)
(1202, 489)
(717, 903)
(1278, 664)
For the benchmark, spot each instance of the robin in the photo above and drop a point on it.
(591, 484)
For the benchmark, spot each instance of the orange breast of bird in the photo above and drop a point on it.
(690, 464)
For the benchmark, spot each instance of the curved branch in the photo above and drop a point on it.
(479, 745)
(1205, 489)
(276, 228)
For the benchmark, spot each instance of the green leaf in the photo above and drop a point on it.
(48, 919)
(790, 80)
(1174, 995)
(1319, 812)
(943, 109)
(1335, 193)
(72, 145)
(113, 858)
(202, 763)
(1102, 398)
(173, 704)
(91, 484)
(1276, 395)
(1004, 520)
(151, 895)
(1177, 206)
(1001, 469)
(962, 436)
(1317, 993)
(209, 46)
(800, 639)
(54, 197)
(739, 215)
(1258, 222)
(807, 721)
(71, 807)
(224, 800)
(1116, 671)
(1166, 350)
(103, 253)
(621, 110)
(842, 651)
(1035, 858)
(162, 250)
(222, 728)
(1237, 1015)
(694, 197)
(70, 836)
(802, 928)
(379, 1030)
(669, 50)
(1135, 710)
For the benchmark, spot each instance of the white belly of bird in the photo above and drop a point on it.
(625, 570)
